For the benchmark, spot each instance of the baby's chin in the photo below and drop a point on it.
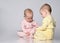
(43, 16)
(30, 21)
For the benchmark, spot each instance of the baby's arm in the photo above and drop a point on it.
(24, 29)
(44, 24)
(23, 26)
(35, 25)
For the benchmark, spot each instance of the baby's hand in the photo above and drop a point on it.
(33, 25)
(27, 34)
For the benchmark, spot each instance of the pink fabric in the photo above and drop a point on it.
(28, 27)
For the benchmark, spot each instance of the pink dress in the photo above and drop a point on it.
(28, 27)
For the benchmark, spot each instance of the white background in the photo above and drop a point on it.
(12, 11)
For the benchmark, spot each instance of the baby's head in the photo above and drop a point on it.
(28, 14)
(45, 10)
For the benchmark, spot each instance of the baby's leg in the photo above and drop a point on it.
(21, 34)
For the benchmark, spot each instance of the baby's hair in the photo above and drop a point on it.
(49, 7)
(27, 10)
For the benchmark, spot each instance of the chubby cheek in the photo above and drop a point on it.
(43, 14)
(27, 20)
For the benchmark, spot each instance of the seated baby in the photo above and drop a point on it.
(28, 24)
(46, 30)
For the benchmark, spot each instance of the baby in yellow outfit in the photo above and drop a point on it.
(46, 30)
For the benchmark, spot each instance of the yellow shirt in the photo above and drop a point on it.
(45, 31)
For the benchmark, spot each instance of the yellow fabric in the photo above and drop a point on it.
(45, 31)
(45, 41)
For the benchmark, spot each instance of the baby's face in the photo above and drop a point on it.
(44, 11)
(29, 17)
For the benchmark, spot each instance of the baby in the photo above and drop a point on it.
(45, 31)
(28, 24)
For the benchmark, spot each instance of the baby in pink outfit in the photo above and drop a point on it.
(28, 24)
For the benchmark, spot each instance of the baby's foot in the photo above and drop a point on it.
(21, 36)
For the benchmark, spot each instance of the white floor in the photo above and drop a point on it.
(21, 40)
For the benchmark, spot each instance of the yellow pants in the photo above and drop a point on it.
(45, 41)
(43, 35)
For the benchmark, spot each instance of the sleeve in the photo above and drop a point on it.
(45, 23)
(35, 25)
(23, 27)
